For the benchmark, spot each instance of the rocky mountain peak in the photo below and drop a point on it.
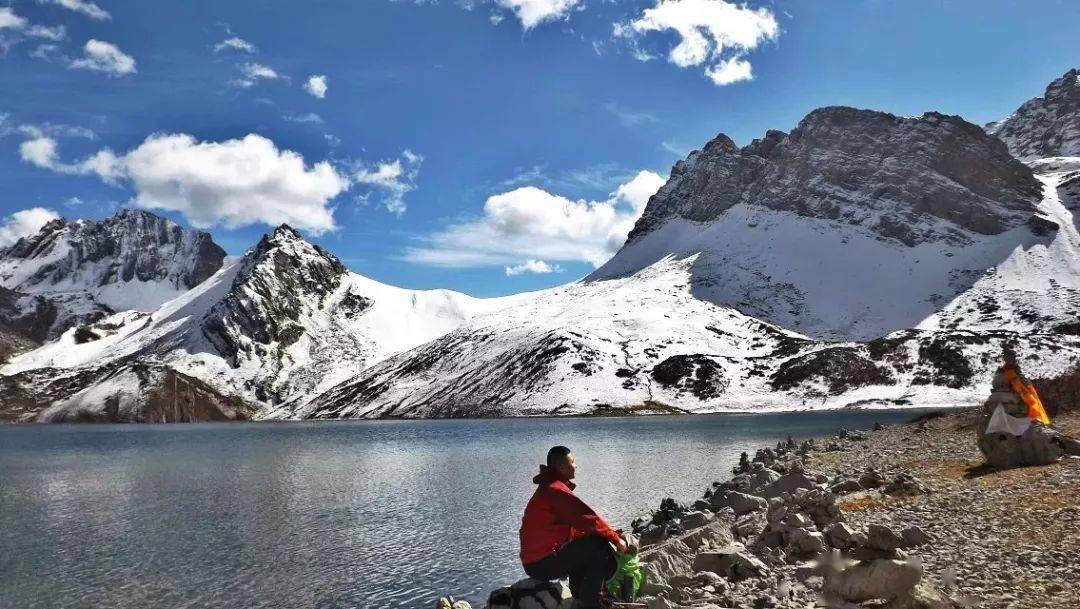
(1047, 126)
(282, 280)
(286, 233)
(130, 245)
(912, 179)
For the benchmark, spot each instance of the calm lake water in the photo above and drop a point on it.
(386, 514)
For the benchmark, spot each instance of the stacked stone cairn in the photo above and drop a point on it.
(1038, 445)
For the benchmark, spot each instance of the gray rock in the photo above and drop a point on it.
(836, 158)
(694, 520)
(1045, 126)
(803, 542)
(788, 483)
(922, 596)
(872, 478)
(905, 484)
(914, 536)
(762, 478)
(848, 485)
(883, 538)
(879, 579)
(841, 536)
(743, 503)
(732, 561)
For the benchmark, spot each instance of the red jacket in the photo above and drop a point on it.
(554, 516)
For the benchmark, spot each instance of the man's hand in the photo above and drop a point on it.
(621, 546)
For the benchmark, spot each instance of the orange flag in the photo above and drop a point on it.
(1028, 394)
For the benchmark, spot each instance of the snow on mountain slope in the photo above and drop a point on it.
(1047, 126)
(647, 342)
(71, 273)
(854, 225)
(286, 319)
(639, 341)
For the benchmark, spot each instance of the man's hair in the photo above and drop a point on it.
(557, 455)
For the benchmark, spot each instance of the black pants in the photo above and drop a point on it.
(588, 561)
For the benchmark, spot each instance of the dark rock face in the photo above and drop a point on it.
(842, 368)
(144, 393)
(49, 281)
(697, 374)
(131, 245)
(281, 276)
(1045, 126)
(909, 179)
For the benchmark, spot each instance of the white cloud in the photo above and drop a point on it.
(46, 52)
(394, 179)
(234, 183)
(105, 57)
(310, 117)
(531, 223)
(532, 13)
(254, 72)
(729, 71)
(712, 33)
(536, 267)
(32, 131)
(10, 21)
(24, 223)
(235, 43)
(81, 6)
(42, 151)
(49, 33)
(630, 118)
(316, 85)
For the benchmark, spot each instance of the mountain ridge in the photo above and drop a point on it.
(863, 259)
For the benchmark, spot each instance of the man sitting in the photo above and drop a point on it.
(561, 536)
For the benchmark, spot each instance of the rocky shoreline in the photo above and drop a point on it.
(904, 516)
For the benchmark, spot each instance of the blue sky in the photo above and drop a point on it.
(485, 146)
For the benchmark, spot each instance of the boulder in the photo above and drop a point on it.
(763, 478)
(848, 485)
(788, 483)
(914, 536)
(879, 579)
(905, 484)
(732, 561)
(675, 557)
(743, 503)
(694, 520)
(803, 542)
(882, 538)
(923, 596)
(871, 478)
(841, 536)
(1037, 446)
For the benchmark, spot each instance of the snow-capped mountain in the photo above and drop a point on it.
(862, 259)
(646, 343)
(817, 230)
(1047, 126)
(73, 273)
(907, 251)
(284, 320)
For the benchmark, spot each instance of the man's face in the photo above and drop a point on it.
(566, 469)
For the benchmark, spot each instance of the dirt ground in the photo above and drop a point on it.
(1002, 539)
